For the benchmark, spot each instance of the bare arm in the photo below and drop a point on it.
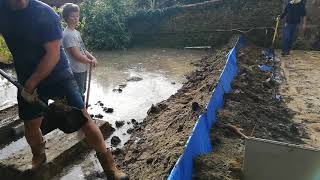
(89, 55)
(92, 58)
(46, 65)
(76, 54)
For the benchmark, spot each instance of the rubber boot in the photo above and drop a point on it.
(39, 155)
(109, 166)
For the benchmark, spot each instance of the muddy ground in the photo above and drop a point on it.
(254, 108)
(157, 143)
(302, 89)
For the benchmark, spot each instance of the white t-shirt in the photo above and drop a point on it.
(72, 38)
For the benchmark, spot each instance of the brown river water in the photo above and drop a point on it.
(162, 74)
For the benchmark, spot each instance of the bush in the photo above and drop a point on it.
(103, 24)
(5, 55)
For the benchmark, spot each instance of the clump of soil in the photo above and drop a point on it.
(157, 143)
(119, 124)
(115, 140)
(254, 110)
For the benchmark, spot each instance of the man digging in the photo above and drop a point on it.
(32, 31)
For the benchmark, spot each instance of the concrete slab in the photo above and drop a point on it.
(6, 126)
(61, 149)
(266, 160)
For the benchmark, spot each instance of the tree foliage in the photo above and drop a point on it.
(5, 55)
(103, 24)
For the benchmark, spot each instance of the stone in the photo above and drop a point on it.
(99, 116)
(115, 140)
(108, 110)
(130, 130)
(134, 78)
(180, 128)
(195, 106)
(149, 160)
(134, 121)
(119, 123)
(117, 90)
(122, 86)
(153, 110)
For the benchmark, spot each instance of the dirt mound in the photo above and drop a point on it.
(157, 143)
(255, 109)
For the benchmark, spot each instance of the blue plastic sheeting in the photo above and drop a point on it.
(265, 68)
(199, 142)
(268, 54)
(229, 72)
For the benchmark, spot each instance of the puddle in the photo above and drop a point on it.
(20, 144)
(8, 92)
(162, 72)
(12, 148)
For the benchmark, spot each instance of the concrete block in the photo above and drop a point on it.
(61, 149)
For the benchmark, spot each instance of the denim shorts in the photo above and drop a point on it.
(66, 90)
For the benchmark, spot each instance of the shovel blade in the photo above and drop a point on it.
(66, 118)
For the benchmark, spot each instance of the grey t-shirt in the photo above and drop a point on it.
(72, 38)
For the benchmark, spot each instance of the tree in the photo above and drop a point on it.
(104, 24)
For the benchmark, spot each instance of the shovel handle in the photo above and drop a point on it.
(275, 31)
(89, 84)
(10, 79)
(20, 87)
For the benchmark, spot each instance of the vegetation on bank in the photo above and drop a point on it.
(103, 24)
(5, 55)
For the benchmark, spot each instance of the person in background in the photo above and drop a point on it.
(79, 58)
(32, 31)
(294, 12)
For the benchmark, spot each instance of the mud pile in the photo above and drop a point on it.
(253, 108)
(157, 143)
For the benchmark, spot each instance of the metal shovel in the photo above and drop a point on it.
(56, 115)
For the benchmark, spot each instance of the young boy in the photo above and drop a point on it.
(77, 54)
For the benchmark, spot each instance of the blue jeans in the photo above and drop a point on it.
(81, 79)
(289, 32)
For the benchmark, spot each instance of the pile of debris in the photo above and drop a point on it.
(252, 109)
(156, 145)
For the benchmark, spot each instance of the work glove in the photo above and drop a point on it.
(30, 98)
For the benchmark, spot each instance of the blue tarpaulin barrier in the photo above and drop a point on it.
(199, 142)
